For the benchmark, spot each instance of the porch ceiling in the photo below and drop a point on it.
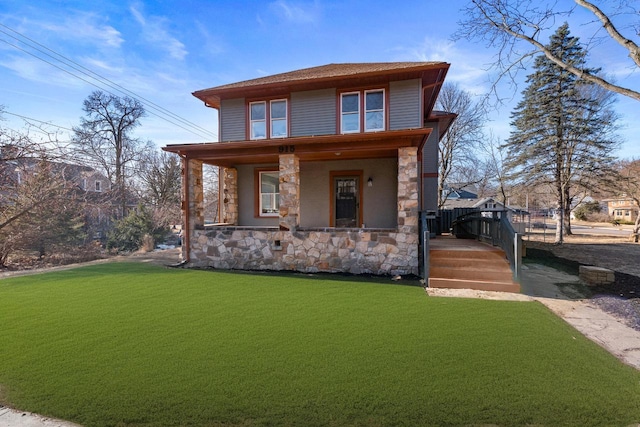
(311, 148)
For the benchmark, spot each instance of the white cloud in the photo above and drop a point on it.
(85, 28)
(468, 68)
(38, 71)
(154, 31)
(295, 12)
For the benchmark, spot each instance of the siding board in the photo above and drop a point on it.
(404, 104)
(233, 120)
(313, 112)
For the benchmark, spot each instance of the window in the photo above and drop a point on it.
(84, 183)
(271, 122)
(278, 118)
(98, 186)
(269, 193)
(371, 102)
(374, 110)
(258, 120)
(350, 112)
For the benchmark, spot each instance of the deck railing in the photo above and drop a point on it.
(492, 227)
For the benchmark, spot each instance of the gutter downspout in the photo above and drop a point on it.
(186, 232)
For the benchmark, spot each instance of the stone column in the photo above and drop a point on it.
(195, 197)
(289, 192)
(408, 190)
(192, 203)
(229, 196)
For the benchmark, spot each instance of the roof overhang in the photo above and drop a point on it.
(308, 148)
(431, 74)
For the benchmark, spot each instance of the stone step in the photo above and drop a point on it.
(474, 284)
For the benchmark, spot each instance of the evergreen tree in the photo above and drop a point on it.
(563, 129)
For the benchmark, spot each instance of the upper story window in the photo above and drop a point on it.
(98, 186)
(268, 119)
(374, 110)
(362, 110)
(350, 112)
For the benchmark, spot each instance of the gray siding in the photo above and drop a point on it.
(404, 104)
(313, 112)
(246, 198)
(233, 120)
(430, 168)
(379, 202)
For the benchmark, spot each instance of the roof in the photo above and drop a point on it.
(330, 75)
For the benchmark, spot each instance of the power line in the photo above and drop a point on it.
(36, 120)
(193, 128)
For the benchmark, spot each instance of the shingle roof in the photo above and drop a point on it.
(328, 72)
(336, 75)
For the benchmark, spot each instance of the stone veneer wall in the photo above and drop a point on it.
(368, 251)
(230, 196)
(289, 171)
(357, 251)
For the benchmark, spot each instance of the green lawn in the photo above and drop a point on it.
(137, 345)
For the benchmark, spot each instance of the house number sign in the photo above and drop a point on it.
(286, 148)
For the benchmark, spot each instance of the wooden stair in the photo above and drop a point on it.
(469, 264)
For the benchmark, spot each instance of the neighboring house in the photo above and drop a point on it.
(86, 183)
(487, 205)
(322, 169)
(455, 193)
(623, 208)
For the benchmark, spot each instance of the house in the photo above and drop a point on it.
(623, 208)
(321, 169)
(82, 182)
(456, 192)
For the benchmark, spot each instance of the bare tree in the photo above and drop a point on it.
(510, 24)
(105, 139)
(159, 179)
(495, 168)
(629, 185)
(457, 160)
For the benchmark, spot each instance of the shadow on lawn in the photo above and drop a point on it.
(625, 285)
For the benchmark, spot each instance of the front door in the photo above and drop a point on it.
(346, 201)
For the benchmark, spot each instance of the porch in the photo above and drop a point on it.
(303, 232)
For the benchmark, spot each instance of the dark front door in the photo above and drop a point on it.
(347, 205)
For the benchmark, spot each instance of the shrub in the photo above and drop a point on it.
(584, 209)
(128, 233)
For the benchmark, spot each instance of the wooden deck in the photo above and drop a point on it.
(469, 264)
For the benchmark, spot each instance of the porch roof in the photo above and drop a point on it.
(307, 148)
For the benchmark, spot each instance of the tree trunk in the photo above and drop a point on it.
(559, 226)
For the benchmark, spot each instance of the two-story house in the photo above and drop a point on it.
(622, 208)
(322, 169)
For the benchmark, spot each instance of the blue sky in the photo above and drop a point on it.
(164, 50)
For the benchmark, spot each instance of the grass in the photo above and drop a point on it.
(137, 345)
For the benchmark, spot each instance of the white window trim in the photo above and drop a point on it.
(384, 113)
(260, 193)
(358, 113)
(286, 118)
(251, 121)
(98, 186)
